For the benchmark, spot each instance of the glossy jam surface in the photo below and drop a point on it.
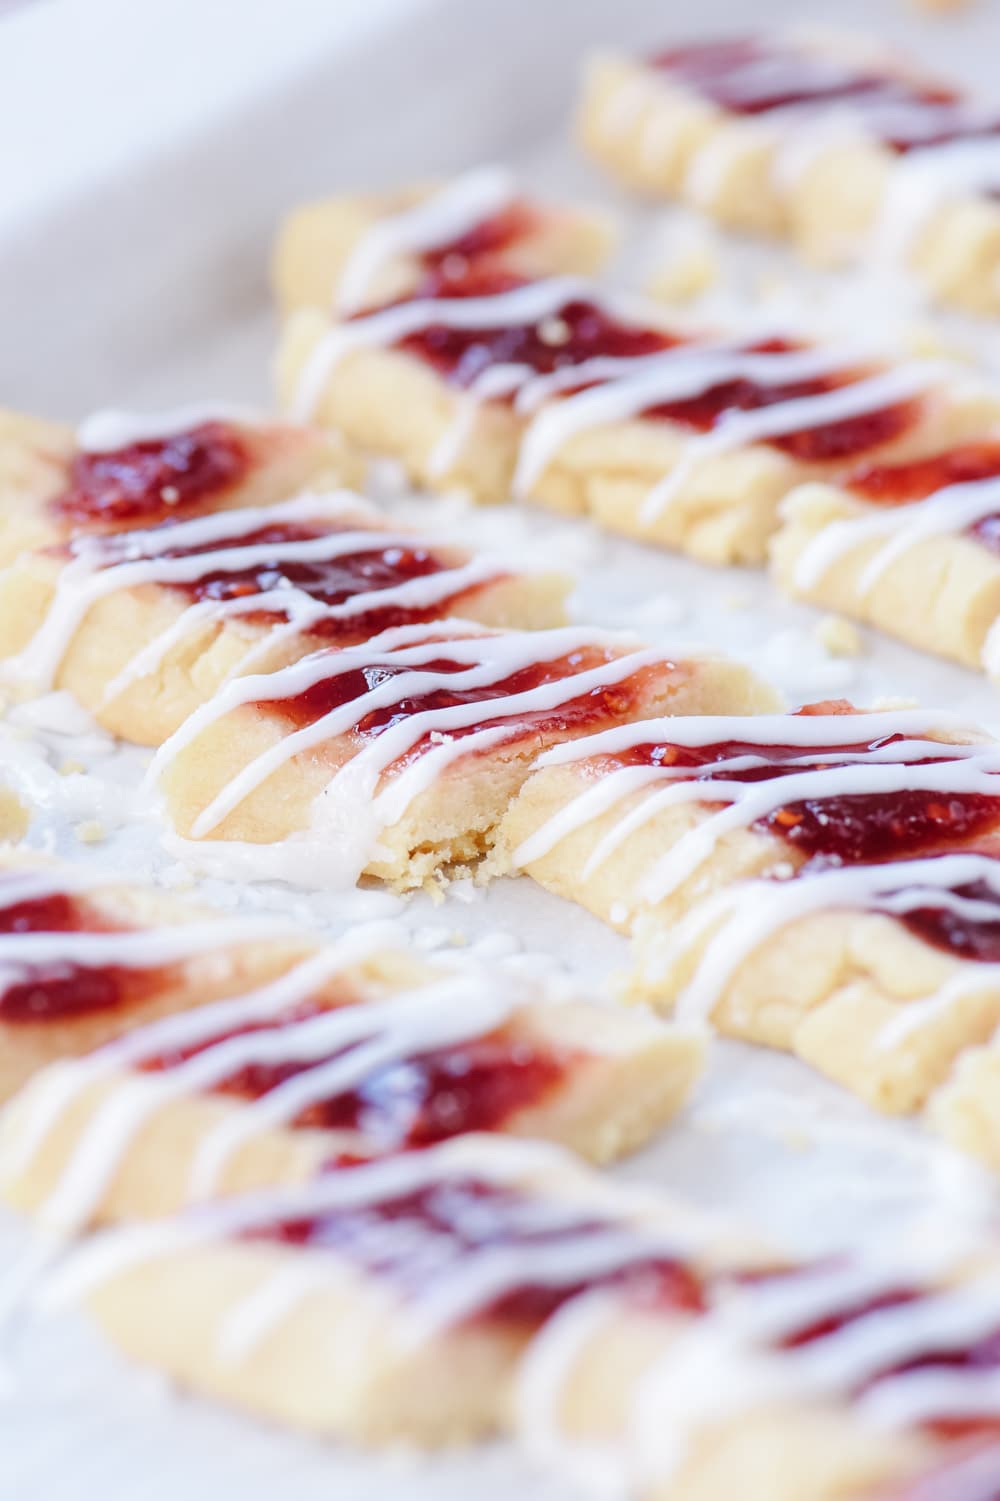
(600, 705)
(475, 1085)
(146, 482)
(849, 829)
(750, 76)
(814, 445)
(579, 331)
(977, 940)
(902, 484)
(489, 238)
(982, 1355)
(448, 1221)
(329, 581)
(60, 990)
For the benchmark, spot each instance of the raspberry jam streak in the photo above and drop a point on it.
(579, 331)
(490, 237)
(582, 331)
(752, 76)
(903, 484)
(474, 1085)
(445, 1222)
(60, 990)
(605, 704)
(815, 445)
(329, 581)
(145, 482)
(850, 829)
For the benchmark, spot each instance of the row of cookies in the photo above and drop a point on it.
(874, 487)
(833, 142)
(437, 746)
(337, 1279)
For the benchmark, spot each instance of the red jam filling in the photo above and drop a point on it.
(600, 705)
(902, 484)
(581, 330)
(146, 482)
(490, 237)
(447, 1221)
(330, 581)
(977, 941)
(983, 1355)
(476, 1085)
(750, 76)
(578, 331)
(843, 830)
(815, 445)
(60, 990)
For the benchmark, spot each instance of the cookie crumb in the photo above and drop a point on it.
(839, 637)
(91, 831)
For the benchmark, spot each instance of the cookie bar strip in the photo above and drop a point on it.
(142, 628)
(823, 883)
(853, 157)
(814, 1381)
(355, 1050)
(118, 472)
(412, 745)
(356, 251)
(434, 1268)
(909, 547)
(585, 401)
(83, 958)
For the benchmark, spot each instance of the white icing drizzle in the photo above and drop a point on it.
(454, 1285)
(801, 414)
(920, 185)
(443, 216)
(95, 572)
(625, 386)
(724, 1366)
(343, 1044)
(106, 431)
(525, 304)
(488, 660)
(741, 918)
(688, 370)
(963, 767)
(946, 512)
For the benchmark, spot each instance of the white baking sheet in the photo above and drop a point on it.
(152, 291)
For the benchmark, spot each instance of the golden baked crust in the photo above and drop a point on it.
(316, 242)
(606, 1084)
(237, 774)
(198, 970)
(841, 982)
(141, 665)
(839, 194)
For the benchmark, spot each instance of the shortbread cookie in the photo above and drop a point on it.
(396, 759)
(911, 547)
(361, 250)
(143, 628)
(390, 1300)
(117, 472)
(829, 1381)
(355, 1051)
(832, 141)
(85, 959)
(14, 816)
(820, 883)
(965, 1109)
(588, 403)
